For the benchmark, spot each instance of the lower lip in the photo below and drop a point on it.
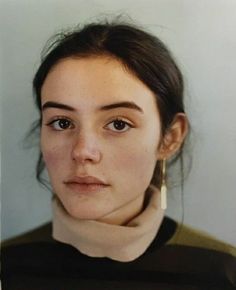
(85, 188)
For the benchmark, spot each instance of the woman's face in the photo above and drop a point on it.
(99, 138)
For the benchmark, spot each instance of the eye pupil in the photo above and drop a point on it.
(119, 124)
(63, 124)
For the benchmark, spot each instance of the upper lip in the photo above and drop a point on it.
(85, 180)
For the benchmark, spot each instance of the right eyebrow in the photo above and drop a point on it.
(57, 105)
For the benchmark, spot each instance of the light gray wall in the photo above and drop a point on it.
(202, 36)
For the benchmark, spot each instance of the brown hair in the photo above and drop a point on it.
(139, 51)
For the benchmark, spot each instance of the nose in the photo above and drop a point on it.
(86, 149)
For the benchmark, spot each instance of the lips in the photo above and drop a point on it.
(86, 184)
(85, 180)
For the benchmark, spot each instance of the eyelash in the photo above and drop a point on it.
(71, 126)
(53, 122)
(123, 121)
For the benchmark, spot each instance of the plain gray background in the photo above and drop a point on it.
(202, 36)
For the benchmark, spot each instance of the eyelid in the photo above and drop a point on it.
(58, 118)
(116, 131)
(121, 119)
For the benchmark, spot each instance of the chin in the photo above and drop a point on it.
(86, 212)
(81, 206)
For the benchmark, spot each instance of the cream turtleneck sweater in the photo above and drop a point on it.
(97, 239)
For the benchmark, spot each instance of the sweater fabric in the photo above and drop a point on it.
(96, 238)
(177, 258)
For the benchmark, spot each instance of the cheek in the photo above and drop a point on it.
(54, 157)
(54, 151)
(136, 162)
(51, 158)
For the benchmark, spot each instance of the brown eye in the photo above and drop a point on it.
(64, 124)
(119, 126)
(60, 124)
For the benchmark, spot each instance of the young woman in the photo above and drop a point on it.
(110, 99)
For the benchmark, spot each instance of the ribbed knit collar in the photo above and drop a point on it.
(96, 239)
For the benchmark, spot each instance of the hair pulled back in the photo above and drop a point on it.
(139, 51)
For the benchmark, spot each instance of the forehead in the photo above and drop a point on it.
(95, 81)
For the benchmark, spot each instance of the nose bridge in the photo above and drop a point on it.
(86, 146)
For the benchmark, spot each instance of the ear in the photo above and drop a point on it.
(174, 137)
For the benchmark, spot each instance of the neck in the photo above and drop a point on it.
(124, 213)
(104, 238)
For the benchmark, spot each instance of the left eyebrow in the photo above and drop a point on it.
(129, 105)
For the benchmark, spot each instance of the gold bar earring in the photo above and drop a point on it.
(163, 186)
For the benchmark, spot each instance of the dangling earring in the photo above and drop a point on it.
(163, 185)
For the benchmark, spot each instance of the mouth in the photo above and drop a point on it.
(85, 185)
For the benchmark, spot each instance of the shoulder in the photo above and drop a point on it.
(42, 233)
(179, 259)
(188, 236)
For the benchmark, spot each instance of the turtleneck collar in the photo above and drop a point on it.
(97, 239)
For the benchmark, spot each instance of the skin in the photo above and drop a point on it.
(89, 141)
